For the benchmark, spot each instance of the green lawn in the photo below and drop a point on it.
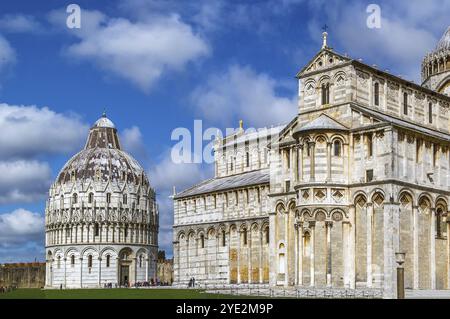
(113, 294)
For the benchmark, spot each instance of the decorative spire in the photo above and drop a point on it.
(324, 36)
(241, 124)
(104, 112)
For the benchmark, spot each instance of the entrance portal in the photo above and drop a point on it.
(124, 275)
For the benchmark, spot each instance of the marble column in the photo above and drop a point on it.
(81, 272)
(300, 254)
(147, 268)
(415, 220)
(249, 255)
(312, 225)
(261, 243)
(239, 256)
(286, 233)
(99, 271)
(329, 225)
(369, 241)
(433, 249)
(329, 150)
(272, 250)
(312, 162)
(65, 272)
(300, 162)
(352, 247)
(448, 251)
(296, 254)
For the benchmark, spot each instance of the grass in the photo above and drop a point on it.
(119, 293)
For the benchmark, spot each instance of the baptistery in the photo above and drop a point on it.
(101, 218)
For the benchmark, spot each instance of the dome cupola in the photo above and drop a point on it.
(436, 66)
(102, 159)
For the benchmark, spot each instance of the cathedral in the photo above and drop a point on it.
(101, 218)
(328, 200)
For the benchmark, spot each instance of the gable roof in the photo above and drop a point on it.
(228, 182)
(322, 122)
(401, 123)
(324, 51)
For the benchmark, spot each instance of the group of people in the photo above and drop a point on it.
(4, 289)
(191, 283)
(136, 284)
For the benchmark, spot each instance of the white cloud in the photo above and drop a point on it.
(29, 131)
(7, 54)
(20, 226)
(408, 30)
(133, 143)
(167, 174)
(215, 15)
(241, 92)
(163, 176)
(141, 52)
(18, 23)
(23, 181)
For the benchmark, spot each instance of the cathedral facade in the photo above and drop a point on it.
(326, 201)
(101, 218)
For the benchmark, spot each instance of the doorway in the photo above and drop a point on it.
(124, 275)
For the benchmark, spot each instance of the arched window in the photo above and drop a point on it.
(267, 234)
(91, 198)
(224, 241)
(430, 113)
(72, 260)
(74, 198)
(138, 199)
(325, 93)
(90, 261)
(306, 244)
(244, 235)
(202, 241)
(337, 148)
(58, 264)
(405, 103)
(140, 261)
(369, 145)
(435, 154)
(247, 159)
(126, 232)
(108, 260)
(96, 229)
(281, 260)
(124, 199)
(439, 223)
(108, 198)
(376, 94)
(61, 201)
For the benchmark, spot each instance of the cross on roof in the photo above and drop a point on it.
(325, 28)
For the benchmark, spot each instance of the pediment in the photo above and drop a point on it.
(325, 59)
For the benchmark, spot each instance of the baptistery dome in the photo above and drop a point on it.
(436, 66)
(101, 217)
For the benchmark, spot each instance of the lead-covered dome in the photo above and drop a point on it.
(444, 42)
(436, 66)
(102, 159)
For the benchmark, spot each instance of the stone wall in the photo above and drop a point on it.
(23, 275)
(165, 271)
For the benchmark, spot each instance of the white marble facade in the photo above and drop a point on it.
(101, 217)
(362, 172)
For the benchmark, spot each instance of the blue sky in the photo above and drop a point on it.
(158, 65)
